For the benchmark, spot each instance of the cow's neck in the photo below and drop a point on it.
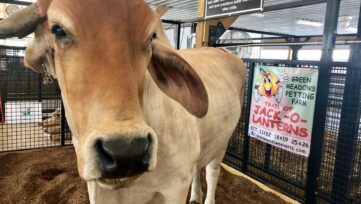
(157, 104)
(154, 100)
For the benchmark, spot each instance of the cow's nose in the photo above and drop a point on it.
(123, 157)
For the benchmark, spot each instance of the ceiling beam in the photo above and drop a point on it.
(263, 32)
(171, 22)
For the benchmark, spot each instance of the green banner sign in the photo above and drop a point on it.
(283, 105)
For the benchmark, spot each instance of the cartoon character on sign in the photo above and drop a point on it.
(269, 85)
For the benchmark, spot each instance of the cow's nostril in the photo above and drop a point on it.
(123, 157)
(102, 153)
(147, 151)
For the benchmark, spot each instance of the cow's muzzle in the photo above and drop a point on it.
(123, 157)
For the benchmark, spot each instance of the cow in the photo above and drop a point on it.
(145, 118)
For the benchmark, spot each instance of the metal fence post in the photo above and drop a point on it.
(314, 162)
(40, 84)
(267, 156)
(247, 115)
(179, 29)
(3, 94)
(62, 139)
(349, 127)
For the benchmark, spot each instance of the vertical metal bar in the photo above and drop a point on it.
(295, 50)
(3, 93)
(247, 115)
(179, 28)
(314, 161)
(349, 126)
(62, 138)
(294, 53)
(40, 84)
(355, 55)
(267, 156)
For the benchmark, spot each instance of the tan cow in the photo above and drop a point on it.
(145, 118)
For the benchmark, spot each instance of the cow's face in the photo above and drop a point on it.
(100, 51)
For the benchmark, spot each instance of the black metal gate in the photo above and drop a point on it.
(339, 178)
(31, 115)
(332, 173)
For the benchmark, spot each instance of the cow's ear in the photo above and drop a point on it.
(39, 54)
(177, 79)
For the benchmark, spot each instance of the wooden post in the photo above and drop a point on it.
(203, 25)
(200, 24)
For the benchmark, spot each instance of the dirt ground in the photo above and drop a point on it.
(50, 177)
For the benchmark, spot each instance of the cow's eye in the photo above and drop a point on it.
(154, 36)
(59, 32)
(149, 44)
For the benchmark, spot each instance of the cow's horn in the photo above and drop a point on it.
(22, 23)
(161, 10)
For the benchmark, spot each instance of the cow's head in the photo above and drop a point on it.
(100, 51)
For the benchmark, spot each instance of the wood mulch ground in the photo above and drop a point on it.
(50, 176)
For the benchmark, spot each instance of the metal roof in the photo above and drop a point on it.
(185, 10)
(181, 10)
(284, 21)
(280, 21)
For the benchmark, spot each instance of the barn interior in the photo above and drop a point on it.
(320, 34)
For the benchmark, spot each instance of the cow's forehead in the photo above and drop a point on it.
(44, 4)
(132, 15)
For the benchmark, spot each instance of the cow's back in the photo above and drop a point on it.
(224, 76)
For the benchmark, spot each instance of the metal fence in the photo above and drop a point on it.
(31, 114)
(339, 178)
(32, 117)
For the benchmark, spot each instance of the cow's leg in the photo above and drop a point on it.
(196, 194)
(212, 173)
